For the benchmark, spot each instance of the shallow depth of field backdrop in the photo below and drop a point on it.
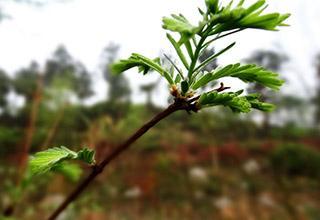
(56, 90)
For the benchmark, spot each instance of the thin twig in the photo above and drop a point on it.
(178, 105)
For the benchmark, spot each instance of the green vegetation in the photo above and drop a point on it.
(210, 163)
(296, 160)
(215, 21)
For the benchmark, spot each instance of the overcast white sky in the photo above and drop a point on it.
(85, 27)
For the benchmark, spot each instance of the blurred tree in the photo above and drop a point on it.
(317, 97)
(64, 79)
(118, 86)
(25, 81)
(293, 108)
(64, 72)
(4, 88)
(119, 90)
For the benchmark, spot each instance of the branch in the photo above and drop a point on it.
(177, 105)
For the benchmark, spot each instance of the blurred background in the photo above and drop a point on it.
(56, 90)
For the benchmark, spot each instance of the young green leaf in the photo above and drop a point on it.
(177, 79)
(136, 60)
(255, 103)
(212, 5)
(86, 155)
(47, 160)
(230, 99)
(184, 87)
(145, 65)
(178, 50)
(239, 17)
(233, 100)
(178, 23)
(246, 73)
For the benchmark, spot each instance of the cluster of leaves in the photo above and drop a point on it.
(217, 21)
(188, 83)
(55, 158)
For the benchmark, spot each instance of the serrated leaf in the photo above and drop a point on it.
(255, 103)
(178, 23)
(233, 100)
(52, 158)
(239, 17)
(143, 63)
(44, 161)
(246, 73)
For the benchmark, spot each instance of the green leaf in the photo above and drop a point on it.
(255, 6)
(267, 22)
(177, 79)
(212, 5)
(246, 73)
(201, 12)
(239, 17)
(233, 100)
(178, 23)
(262, 106)
(47, 160)
(178, 50)
(86, 155)
(184, 87)
(136, 60)
(44, 161)
(145, 65)
(202, 81)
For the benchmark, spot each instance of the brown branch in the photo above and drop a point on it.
(178, 105)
